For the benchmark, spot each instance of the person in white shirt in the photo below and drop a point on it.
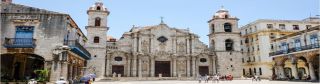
(216, 78)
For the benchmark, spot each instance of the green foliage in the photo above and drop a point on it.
(42, 74)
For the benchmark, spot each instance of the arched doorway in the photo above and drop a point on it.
(302, 68)
(287, 68)
(20, 66)
(288, 72)
(162, 67)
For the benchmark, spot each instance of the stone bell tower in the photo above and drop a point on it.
(224, 37)
(97, 32)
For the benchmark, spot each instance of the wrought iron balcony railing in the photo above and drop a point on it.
(77, 48)
(295, 49)
(20, 43)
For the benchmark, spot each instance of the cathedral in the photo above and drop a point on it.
(163, 51)
(36, 40)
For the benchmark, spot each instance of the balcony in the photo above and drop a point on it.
(77, 48)
(20, 43)
(296, 49)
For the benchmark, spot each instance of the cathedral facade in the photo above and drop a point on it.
(159, 50)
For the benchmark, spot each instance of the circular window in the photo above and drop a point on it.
(162, 39)
(203, 60)
(118, 58)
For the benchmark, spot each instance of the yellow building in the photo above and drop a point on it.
(296, 56)
(256, 42)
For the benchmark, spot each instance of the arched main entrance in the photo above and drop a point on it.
(20, 66)
(162, 67)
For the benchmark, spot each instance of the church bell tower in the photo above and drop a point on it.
(224, 38)
(97, 29)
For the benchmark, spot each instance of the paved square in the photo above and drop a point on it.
(196, 82)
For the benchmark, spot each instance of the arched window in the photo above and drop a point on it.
(229, 45)
(247, 40)
(98, 8)
(212, 45)
(260, 71)
(227, 27)
(203, 60)
(244, 72)
(212, 26)
(96, 39)
(97, 21)
(250, 71)
(118, 58)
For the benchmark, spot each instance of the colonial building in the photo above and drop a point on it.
(224, 37)
(296, 56)
(37, 39)
(256, 42)
(158, 50)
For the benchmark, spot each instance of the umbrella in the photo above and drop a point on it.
(92, 75)
(85, 78)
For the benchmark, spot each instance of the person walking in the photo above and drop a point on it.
(199, 78)
(206, 78)
(216, 78)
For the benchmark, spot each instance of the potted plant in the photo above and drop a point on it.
(42, 75)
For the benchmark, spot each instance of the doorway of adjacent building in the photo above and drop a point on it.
(162, 67)
(118, 69)
(203, 70)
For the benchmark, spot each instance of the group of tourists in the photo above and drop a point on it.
(215, 78)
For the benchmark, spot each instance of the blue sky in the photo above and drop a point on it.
(192, 14)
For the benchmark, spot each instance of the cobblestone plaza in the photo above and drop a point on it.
(196, 82)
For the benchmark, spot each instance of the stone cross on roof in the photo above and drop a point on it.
(161, 20)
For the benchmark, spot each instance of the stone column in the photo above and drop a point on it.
(134, 60)
(70, 71)
(139, 43)
(188, 67)
(193, 40)
(108, 66)
(53, 72)
(64, 70)
(193, 66)
(174, 67)
(311, 70)
(188, 45)
(140, 67)
(135, 42)
(281, 71)
(174, 44)
(152, 66)
(128, 66)
(134, 66)
(294, 70)
(213, 65)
